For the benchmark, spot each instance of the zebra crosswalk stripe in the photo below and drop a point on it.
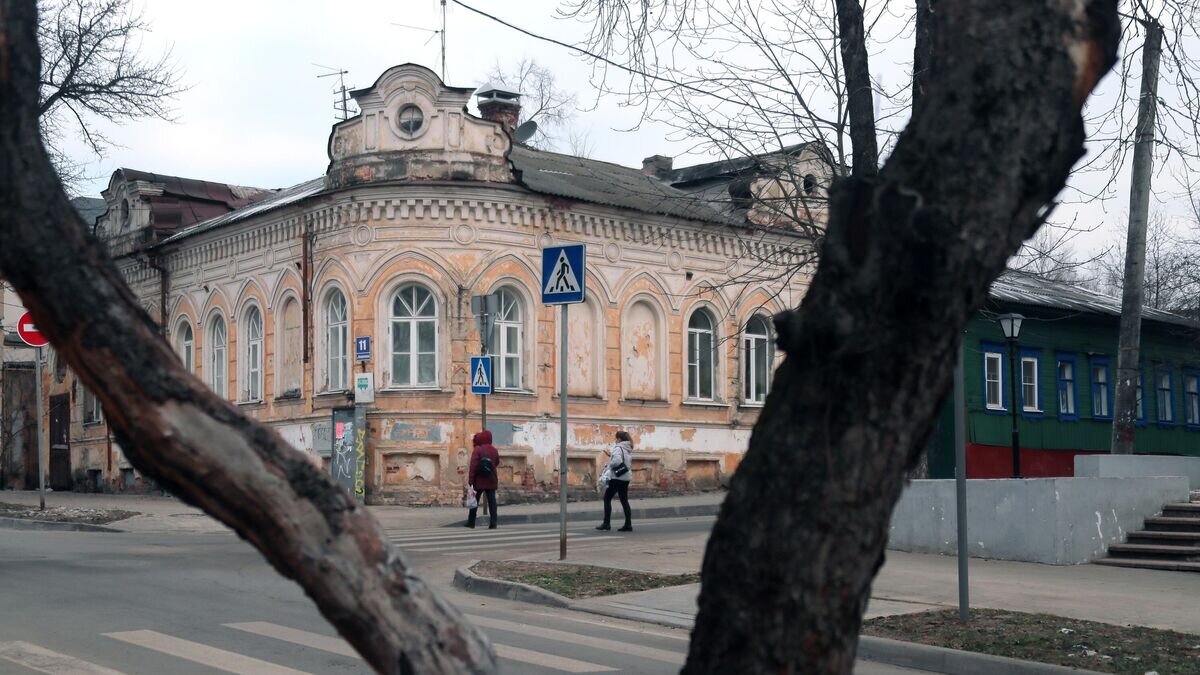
(196, 652)
(653, 653)
(42, 660)
(340, 646)
(325, 643)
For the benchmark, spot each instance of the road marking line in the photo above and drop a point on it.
(470, 546)
(485, 534)
(652, 653)
(325, 643)
(212, 657)
(548, 660)
(43, 660)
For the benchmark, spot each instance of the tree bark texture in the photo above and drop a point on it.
(194, 443)
(909, 256)
(860, 105)
(1132, 289)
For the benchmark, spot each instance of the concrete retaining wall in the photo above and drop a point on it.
(1059, 521)
(1138, 466)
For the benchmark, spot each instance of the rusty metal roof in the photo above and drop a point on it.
(598, 182)
(275, 200)
(1023, 288)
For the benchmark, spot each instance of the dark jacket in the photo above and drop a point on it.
(484, 448)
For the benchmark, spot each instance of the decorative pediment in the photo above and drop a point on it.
(414, 127)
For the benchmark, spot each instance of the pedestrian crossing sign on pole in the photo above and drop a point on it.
(563, 274)
(481, 375)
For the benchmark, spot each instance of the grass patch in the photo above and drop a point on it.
(1132, 650)
(65, 514)
(578, 581)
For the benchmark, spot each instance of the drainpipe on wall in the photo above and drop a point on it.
(306, 283)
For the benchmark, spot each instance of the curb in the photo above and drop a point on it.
(465, 579)
(644, 513)
(879, 650)
(52, 526)
(953, 661)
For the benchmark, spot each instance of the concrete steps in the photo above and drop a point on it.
(1170, 541)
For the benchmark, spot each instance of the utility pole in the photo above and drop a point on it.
(1128, 374)
(41, 431)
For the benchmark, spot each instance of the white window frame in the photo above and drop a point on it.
(186, 345)
(1036, 407)
(756, 346)
(500, 346)
(998, 359)
(337, 341)
(693, 370)
(412, 378)
(92, 412)
(252, 353)
(218, 361)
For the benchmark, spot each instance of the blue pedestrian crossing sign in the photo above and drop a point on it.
(562, 274)
(481, 375)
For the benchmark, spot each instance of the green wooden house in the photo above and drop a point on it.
(1065, 374)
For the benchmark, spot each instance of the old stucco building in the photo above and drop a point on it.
(424, 206)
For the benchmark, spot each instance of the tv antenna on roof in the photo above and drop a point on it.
(341, 103)
(434, 33)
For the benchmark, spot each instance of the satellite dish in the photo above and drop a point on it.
(526, 131)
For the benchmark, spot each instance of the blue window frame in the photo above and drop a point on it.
(1068, 390)
(995, 377)
(1031, 389)
(1101, 378)
(1164, 396)
(1191, 398)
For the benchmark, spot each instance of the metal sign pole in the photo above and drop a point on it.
(41, 432)
(562, 437)
(960, 483)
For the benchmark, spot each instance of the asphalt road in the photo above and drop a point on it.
(104, 603)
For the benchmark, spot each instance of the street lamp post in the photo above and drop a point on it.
(1010, 324)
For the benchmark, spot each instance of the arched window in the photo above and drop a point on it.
(757, 357)
(291, 344)
(700, 356)
(643, 353)
(185, 344)
(337, 336)
(414, 337)
(253, 355)
(216, 355)
(507, 340)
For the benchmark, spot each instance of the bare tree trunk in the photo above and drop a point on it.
(922, 17)
(1128, 375)
(859, 99)
(179, 433)
(909, 256)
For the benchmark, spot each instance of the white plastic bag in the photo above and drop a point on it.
(605, 477)
(471, 502)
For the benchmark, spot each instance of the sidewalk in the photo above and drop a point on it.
(168, 514)
(912, 582)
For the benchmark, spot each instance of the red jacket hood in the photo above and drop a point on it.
(482, 438)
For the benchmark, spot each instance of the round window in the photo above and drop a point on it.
(410, 119)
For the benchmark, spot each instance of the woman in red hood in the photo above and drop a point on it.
(485, 460)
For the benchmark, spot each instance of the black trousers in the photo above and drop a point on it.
(621, 489)
(491, 502)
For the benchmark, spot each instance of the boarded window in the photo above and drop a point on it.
(290, 347)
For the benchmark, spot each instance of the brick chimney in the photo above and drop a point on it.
(499, 104)
(656, 165)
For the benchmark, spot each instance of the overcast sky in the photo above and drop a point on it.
(257, 114)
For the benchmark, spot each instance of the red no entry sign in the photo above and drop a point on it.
(29, 332)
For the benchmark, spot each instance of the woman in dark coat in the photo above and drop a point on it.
(485, 461)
